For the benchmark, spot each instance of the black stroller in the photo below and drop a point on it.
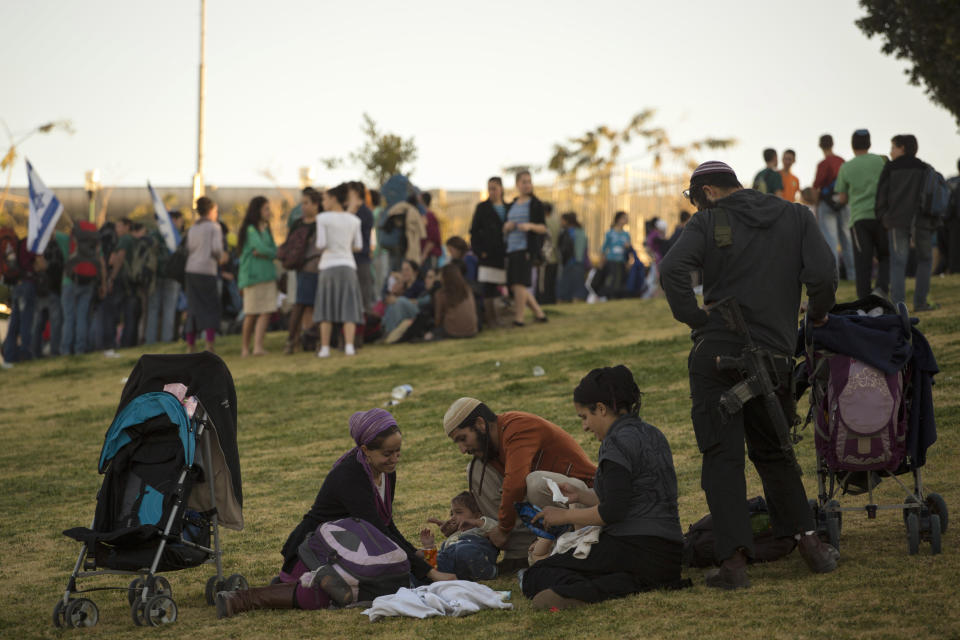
(870, 373)
(172, 479)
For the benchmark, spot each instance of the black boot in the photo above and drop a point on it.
(275, 596)
(732, 573)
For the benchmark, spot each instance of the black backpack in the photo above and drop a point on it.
(49, 281)
(698, 543)
(141, 264)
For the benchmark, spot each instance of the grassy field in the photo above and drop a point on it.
(293, 424)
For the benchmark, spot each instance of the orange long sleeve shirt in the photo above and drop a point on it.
(530, 443)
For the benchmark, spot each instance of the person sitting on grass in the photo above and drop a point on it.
(517, 453)
(634, 499)
(466, 551)
(361, 485)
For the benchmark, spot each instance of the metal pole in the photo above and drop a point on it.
(198, 187)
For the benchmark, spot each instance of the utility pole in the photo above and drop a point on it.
(198, 188)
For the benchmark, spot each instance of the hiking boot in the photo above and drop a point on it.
(275, 596)
(511, 565)
(549, 599)
(732, 573)
(819, 556)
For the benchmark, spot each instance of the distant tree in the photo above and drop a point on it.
(383, 154)
(927, 33)
(597, 151)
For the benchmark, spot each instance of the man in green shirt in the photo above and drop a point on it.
(857, 186)
(769, 180)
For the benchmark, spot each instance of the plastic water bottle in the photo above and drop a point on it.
(401, 391)
(538, 371)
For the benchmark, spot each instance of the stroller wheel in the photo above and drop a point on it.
(82, 613)
(160, 610)
(938, 506)
(59, 614)
(913, 534)
(159, 586)
(236, 582)
(935, 529)
(134, 590)
(214, 586)
(136, 613)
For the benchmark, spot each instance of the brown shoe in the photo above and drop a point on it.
(732, 573)
(275, 596)
(550, 599)
(819, 556)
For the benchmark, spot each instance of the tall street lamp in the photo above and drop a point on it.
(91, 183)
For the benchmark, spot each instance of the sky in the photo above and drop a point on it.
(479, 86)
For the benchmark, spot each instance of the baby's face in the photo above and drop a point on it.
(459, 513)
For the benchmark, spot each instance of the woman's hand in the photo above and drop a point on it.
(438, 576)
(552, 516)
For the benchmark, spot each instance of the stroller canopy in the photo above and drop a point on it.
(141, 409)
(207, 377)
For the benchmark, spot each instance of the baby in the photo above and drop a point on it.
(466, 551)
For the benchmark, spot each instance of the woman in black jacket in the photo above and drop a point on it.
(486, 239)
(361, 484)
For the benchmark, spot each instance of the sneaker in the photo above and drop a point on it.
(324, 352)
(731, 574)
(819, 556)
(110, 353)
(6, 365)
(349, 350)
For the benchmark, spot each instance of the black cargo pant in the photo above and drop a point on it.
(721, 443)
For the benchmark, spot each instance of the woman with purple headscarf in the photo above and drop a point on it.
(361, 484)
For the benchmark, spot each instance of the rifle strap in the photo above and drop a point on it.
(722, 234)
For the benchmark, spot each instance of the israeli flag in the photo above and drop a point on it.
(45, 210)
(164, 222)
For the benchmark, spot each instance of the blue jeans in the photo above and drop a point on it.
(835, 226)
(470, 557)
(75, 305)
(899, 253)
(16, 346)
(51, 304)
(107, 317)
(162, 311)
(402, 309)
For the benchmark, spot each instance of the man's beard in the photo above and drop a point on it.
(485, 448)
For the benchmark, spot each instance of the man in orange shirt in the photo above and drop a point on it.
(514, 454)
(791, 184)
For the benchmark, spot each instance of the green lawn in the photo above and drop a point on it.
(293, 424)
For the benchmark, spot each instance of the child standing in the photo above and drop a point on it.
(466, 551)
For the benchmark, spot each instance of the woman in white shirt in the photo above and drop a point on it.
(338, 290)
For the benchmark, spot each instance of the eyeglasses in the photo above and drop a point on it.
(686, 193)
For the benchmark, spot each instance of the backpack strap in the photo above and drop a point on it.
(722, 234)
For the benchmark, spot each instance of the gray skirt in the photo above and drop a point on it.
(338, 296)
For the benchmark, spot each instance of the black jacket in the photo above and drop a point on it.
(899, 192)
(534, 239)
(486, 236)
(347, 493)
(776, 247)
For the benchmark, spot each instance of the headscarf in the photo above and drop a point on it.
(364, 427)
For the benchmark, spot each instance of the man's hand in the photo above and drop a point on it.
(571, 492)
(498, 537)
(819, 322)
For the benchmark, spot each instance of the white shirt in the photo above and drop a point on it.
(338, 234)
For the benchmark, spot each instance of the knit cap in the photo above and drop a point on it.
(459, 411)
(712, 166)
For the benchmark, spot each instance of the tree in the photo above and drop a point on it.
(384, 154)
(597, 151)
(925, 32)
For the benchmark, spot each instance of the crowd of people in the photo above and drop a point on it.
(876, 213)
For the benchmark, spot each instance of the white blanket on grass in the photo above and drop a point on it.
(453, 598)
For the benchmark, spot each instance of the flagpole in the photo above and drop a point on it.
(198, 186)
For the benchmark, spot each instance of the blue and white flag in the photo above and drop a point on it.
(45, 210)
(164, 222)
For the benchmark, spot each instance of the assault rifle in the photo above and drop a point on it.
(760, 377)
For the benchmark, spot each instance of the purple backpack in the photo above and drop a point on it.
(861, 423)
(353, 556)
